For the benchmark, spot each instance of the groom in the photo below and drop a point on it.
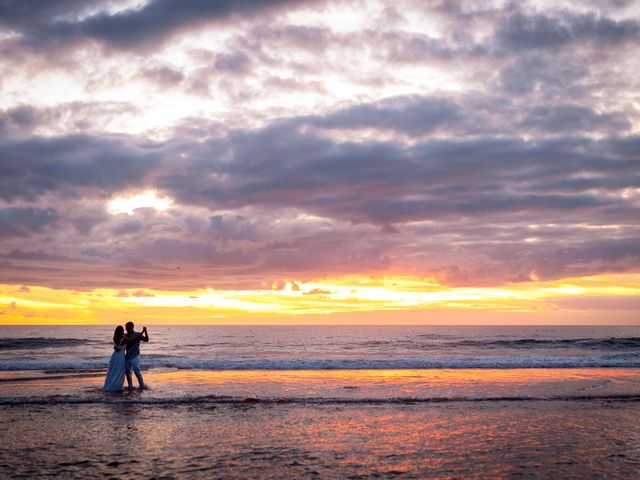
(132, 356)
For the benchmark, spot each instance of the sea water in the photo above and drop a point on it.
(324, 402)
(326, 347)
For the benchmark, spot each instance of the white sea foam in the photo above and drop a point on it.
(622, 360)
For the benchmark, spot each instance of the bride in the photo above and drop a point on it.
(115, 373)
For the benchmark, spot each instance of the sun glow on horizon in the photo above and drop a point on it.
(297, 299)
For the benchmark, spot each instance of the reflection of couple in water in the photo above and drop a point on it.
(126, 357)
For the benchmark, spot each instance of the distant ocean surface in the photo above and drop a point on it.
(327, 347)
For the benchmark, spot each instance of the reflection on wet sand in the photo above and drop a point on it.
(413, 384)
(553, 439)
(372, 385)
(529, 423)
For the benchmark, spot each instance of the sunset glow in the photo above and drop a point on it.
(320, 162)
(320, 238)
(292, 301)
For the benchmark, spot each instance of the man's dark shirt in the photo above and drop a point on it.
(133, 347)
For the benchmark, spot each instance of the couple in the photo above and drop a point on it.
(126, 357)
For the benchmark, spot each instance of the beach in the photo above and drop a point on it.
(232, 420)
(482, 440)
(590, 431)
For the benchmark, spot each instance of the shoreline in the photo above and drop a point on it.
(326, 386)
(360, 424)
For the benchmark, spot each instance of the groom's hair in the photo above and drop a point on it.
(129, 324)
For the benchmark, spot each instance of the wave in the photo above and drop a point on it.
(612, 343)
(422, 342)
(31, 343)
(419, 342)
(119, 398)
(619, 360)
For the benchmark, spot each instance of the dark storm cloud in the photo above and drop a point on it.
(34, 166)
(24, 221)
(541, 31)
(146, 26)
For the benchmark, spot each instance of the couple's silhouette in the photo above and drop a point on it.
(125, 358)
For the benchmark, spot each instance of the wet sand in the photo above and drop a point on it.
(555, 439)
(479, 424)
(323, 386)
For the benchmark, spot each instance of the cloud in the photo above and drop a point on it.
(164, 76)
(473, 144)
(25, 221)
(143, 27)
(384, 182)
(39, 255)
(318, 291)
(599, 303)
(16, 120)
(86, 219)
(286, 198)
(26, 121)
(541, 31)
(567, 118)
(237, 62)
(408, 114)
(141, 293)
(35, 166)
(32, 13)
(553, 77)
(128, 227)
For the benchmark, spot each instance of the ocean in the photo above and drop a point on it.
(324, 402)
(327, 347)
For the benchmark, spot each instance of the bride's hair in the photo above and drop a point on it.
(118, 334)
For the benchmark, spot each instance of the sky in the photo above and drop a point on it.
(357, 162)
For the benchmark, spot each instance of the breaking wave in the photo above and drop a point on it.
(613, 343)
(619, 360)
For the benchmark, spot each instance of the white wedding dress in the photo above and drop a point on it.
(115, 373)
